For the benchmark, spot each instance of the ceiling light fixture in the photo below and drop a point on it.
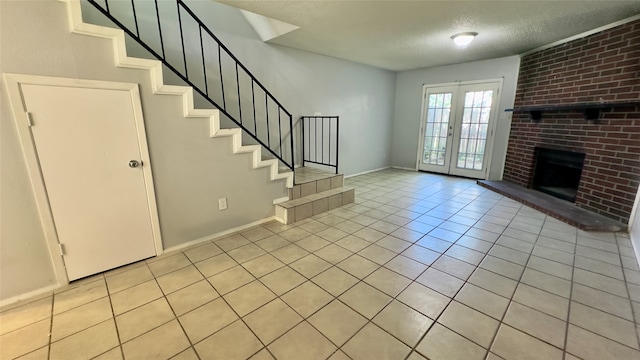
(464, 39)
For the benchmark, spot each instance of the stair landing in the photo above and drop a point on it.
(307, 174)
(315, 191)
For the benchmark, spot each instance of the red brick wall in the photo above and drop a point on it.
(601, 67)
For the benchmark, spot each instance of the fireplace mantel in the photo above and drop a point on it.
(591, 110)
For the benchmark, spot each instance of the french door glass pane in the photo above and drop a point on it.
(437, 131)
(475, 123)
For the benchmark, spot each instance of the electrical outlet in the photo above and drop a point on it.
(222, 204)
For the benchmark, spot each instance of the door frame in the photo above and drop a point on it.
(423, 125)
(22, 120)
(492, 122)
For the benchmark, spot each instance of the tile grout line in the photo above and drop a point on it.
(221, 296)
(451, 299)
(164, 296)
(411, 348)
(561, 263)
(601, 310)
(113, 314)
(139, 306)
(360, 281)
(582, 269)
(609, 314)
(279, 296)
(175, 315)
(240, 318)
(626, 285)
(50, 342)
(76, 307)
(402, 196)
(524, 269)
(335, 298)
(305, 319)
(370, 243)
(573, 271)
(500, 322)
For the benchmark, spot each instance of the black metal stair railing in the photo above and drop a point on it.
(173, 34)
(320, 140)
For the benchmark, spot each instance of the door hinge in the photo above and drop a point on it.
(62, 249)
(29, 119)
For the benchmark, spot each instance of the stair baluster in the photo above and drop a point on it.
(261, 131)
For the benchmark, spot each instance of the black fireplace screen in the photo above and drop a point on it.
(557, 172)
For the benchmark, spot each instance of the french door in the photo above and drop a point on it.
(456, 128)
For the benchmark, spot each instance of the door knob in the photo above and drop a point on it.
(135, 163)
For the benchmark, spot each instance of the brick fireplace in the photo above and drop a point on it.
(601, 68)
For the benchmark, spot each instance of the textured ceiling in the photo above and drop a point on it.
(403, 35)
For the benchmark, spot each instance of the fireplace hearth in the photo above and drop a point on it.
(558, 172)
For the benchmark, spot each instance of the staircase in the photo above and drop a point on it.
(170, 32)
(315, 192)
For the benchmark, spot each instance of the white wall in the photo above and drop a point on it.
(191, 170)
(306, 83)
(408, 102)
(634, 226)
(25, 264)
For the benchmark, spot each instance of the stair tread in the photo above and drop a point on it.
(314, 197)
(160, 88)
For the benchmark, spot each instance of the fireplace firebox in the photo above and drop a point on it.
(558, 172)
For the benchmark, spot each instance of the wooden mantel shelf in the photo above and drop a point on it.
(591, 110)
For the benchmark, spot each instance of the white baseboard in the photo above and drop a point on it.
(366, 172)
(28, 295)
(49, 288)
(217, 235)
(404, 168)
(634, 226)
(635, 243)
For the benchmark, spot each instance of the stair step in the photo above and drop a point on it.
(306, 188)
(301, 208)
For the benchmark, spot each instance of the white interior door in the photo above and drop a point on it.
(457, 126)
(85, 139)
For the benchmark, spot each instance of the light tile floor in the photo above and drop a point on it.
(421, 266)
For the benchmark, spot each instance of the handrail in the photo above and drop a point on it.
(199, 72)
(314, 140)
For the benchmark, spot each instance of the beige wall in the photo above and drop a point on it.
(191, 170)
